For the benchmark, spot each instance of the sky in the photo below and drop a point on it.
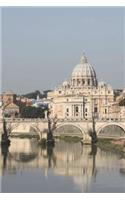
(42, 45)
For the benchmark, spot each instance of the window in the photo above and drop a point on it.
(86, 110)
(78, 82)
(83, 82)
(88, 81)
(95, 109)
(67, 110)
(59, 92)
(77, 109)
(105, 111)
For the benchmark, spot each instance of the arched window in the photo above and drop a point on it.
(77, 109)
(83, 82)
(95, 109)
(88, 81)
(78, 82)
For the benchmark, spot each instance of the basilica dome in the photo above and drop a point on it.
(84, 73)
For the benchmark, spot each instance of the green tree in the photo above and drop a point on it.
(32, 112)
(122, 102)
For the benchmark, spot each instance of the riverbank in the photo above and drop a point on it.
(68, 138)
(29, 136)
(116, 146)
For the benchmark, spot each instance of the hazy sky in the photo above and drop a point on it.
(41, 46)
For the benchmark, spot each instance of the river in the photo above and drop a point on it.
(68, 167)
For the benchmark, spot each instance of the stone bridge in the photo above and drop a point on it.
(82, 128)
(72, 127)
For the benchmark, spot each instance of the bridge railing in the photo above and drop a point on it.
(90, 120)
(25, 120)
(11, 120)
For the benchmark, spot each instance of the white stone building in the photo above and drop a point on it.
(82, 96)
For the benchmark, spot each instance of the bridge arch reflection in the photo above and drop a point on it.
(81, 162)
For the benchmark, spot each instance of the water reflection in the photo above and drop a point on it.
(4, 152)
(85, 166)
(93, 153)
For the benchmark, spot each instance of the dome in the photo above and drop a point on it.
(84, 71)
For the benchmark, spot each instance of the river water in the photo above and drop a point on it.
(67, 167)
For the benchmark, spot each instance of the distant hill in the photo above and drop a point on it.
(33, 95)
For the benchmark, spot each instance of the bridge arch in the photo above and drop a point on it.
(69, 129)
(110, 124)
(14, 126)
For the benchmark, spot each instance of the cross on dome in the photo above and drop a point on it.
(83, 59)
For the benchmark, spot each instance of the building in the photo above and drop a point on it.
(8, 97)
(24, 101)
(8, 101)
(121, 96)
(39, 103)
(82, 96)
(11, 110)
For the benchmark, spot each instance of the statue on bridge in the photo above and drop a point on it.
(93, 133)
(50, 138)
(5, 135)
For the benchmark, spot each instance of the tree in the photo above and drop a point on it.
(32, 112)
(122, 102)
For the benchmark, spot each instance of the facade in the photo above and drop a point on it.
(8, 100)
(82, 96)
(11, 110)
(24, 100)
(121, 96)
(8, 97)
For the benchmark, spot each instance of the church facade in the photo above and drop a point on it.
(82, 96)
